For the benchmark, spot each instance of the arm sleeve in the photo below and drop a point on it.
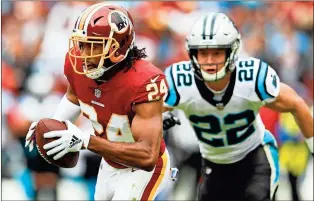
(267, 86)
(67, 110)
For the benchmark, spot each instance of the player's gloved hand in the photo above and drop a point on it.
(169, 120)
(71, 140)
(30, 137)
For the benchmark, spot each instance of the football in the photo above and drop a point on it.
(45, 125)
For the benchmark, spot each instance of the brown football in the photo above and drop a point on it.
(69, 160)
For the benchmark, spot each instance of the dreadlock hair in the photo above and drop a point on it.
(134, 54)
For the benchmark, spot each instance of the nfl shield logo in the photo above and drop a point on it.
(220, 106)
(97, 93)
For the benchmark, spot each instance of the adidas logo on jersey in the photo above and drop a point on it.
(74, 141)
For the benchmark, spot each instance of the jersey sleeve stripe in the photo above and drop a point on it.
(173, 97)
(260, 85)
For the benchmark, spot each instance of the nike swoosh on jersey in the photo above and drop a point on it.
(154, 80)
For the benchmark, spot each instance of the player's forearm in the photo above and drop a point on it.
(135, 154)
(303, 118)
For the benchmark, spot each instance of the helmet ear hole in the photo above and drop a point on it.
(116, 57)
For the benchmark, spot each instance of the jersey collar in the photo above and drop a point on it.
(209, 96)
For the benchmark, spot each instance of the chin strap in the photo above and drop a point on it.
(101, 71)
(214, 77)
(211, 77)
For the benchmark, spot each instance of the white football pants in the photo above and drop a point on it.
(132, 184)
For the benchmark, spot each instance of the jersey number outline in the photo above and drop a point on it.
(207, 135)
(184, 78)
(118, 125)
(246, 73)
(162, 89)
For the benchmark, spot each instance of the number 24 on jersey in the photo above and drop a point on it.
(154, 90)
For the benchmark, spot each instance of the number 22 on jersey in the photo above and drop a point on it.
(237, 127)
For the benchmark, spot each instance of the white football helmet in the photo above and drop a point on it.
(213, 30)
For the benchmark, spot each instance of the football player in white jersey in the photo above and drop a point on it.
(221, 95)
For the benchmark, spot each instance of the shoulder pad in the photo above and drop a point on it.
(267, 84)
(256, 80)
(179, 77)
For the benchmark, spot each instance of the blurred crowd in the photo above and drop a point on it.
(35, 40)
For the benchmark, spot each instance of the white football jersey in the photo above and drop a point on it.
(229, 128)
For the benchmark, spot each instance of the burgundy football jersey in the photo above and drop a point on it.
(109, 105)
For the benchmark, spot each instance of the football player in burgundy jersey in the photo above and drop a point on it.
(122, 95)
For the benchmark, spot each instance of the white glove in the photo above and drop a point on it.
(71, 140)
(30, 137)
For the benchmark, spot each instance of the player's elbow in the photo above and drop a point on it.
(150, 162)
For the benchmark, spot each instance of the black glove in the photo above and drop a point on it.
(169, 120)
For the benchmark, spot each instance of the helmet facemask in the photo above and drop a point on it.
(108, 46)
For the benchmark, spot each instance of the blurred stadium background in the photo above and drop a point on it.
(35, 40)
